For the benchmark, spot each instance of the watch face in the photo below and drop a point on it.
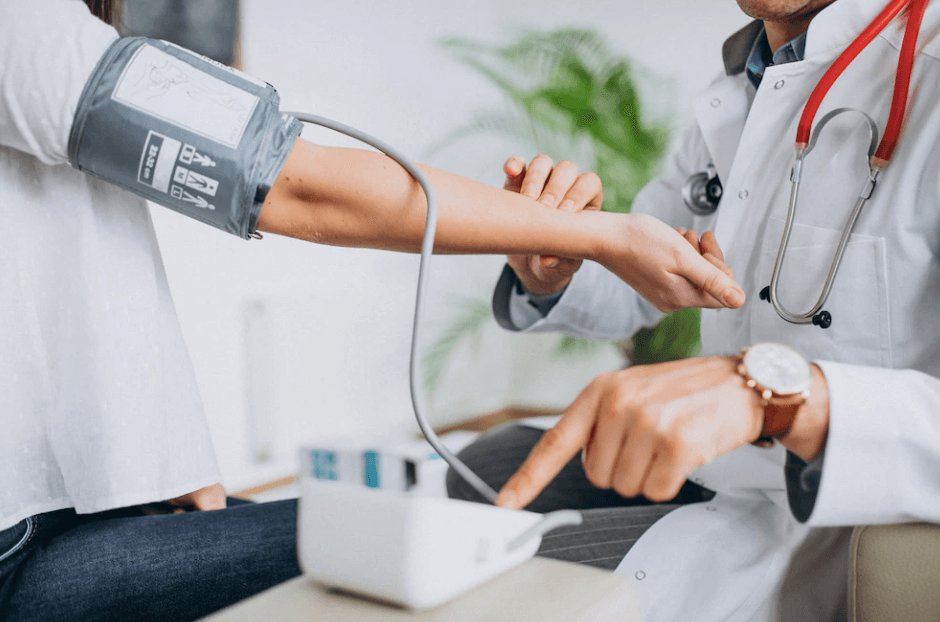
(778, 368)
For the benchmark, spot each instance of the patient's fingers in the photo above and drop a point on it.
(719, 285)
(204, 499)
(709, 244)
(692, 237)
(718, 263)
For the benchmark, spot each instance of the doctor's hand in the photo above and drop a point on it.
(644, 429)
(556, 186)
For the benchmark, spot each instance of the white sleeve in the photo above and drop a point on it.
(48, 50)
(883, 449)
(599, 306)
(523, 309)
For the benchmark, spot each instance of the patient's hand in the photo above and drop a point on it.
(204, 499)
(708, 247)
(556, 186)
(643, 251)
(666, 267)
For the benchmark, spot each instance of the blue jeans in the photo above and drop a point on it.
(122, 565)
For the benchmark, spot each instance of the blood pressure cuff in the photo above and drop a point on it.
(183, 131)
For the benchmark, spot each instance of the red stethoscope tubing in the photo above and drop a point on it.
(902, 78)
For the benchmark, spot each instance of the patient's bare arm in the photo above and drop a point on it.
(351, 197)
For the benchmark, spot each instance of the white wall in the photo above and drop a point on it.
(332, 325)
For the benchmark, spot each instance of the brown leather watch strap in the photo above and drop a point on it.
(779, 415)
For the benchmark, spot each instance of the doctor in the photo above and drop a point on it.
(864, 446)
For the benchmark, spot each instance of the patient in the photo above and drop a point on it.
(100, 408)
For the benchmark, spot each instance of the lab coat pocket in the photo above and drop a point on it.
(858, 303)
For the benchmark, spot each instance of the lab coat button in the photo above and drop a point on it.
(716, 102)
(779, 85)
(640, 575)
(742, 194)
(711, 508)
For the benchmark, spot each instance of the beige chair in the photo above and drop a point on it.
(894, 573)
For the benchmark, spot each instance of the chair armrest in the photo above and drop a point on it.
(894, 573)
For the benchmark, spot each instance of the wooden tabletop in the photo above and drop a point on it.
(540, 590)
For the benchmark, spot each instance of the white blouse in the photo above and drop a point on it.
(99, 406)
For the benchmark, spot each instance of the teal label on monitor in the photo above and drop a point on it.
(323, 464)
(371, 471)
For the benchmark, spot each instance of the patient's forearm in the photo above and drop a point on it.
(351, 197)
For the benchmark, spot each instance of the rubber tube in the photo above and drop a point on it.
(835, 70)
(902, 83)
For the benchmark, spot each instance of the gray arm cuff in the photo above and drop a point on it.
(182, 131)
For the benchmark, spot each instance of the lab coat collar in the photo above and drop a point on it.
(737, 49)
(840, 23)
(835, 27)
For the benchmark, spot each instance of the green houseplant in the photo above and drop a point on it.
(566, 90)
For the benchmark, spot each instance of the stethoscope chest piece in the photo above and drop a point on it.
(702, 192)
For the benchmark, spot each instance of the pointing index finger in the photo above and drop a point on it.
(557, 446)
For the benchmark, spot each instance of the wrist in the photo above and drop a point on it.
(614, 235)
(782, 380)
(807, 436)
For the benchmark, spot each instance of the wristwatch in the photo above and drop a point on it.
(782, 377)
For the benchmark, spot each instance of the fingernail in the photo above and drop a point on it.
(530, 192)
(567, 205)
(548, 261)
(506, 499)
(733, 297)
(546, 199)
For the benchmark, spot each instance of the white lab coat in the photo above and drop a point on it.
(743, 556)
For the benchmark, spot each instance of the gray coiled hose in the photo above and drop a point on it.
(552, 520)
